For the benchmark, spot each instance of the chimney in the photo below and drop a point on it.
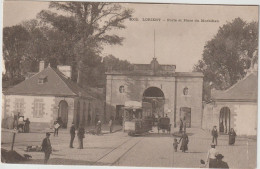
(65, 70)
(41, 66)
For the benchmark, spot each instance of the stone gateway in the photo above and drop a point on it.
(177, 94)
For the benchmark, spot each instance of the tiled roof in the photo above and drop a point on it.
(244, 90)
(56, 85)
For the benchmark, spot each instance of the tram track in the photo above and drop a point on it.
(103, 158)
(117, 161)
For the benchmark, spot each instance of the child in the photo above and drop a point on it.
(175, 145)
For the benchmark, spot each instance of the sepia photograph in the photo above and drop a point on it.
(131, 84)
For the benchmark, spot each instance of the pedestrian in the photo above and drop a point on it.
(81, 135)
(214, 134)
(46, 147)
(232, 137)
(56, 127)
(27, 125)
(219, 163)
(175, 145)
(21, 124)
(72, 134)
(211, 157)
(110, 123)
(181, 126)
(98, 127)
(185, 141)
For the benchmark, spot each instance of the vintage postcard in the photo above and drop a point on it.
(129, 84)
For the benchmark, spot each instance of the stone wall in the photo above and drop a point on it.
(28, 107)
(243, 116)
(192, 100)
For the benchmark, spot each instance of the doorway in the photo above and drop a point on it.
(185, 115)
(119, 114)
(224, 120)
(63, 113)
(155, 97)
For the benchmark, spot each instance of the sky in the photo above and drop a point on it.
(178, 43)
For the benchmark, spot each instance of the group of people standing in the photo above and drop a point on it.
(20, 124)
(214, 158)
(184, 140)
(232, 136)
(46, 144)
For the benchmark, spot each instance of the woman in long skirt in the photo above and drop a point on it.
(185, 140)
(232, 137)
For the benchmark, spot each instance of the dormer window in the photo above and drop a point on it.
(42, 79)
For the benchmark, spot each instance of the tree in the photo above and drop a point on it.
(227, 57)
(113, 63)
(88, 25)
(15, 40)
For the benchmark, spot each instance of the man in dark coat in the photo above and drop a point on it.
(214, 134)
(81, 135)
(219, 163)
(72, 134)
(27, 125)
(46, 147)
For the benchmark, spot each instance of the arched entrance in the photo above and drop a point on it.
(224, 120)
(63, 113)
(155, 96)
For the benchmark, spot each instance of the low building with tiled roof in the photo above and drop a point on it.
(48, 95)
(235, 107)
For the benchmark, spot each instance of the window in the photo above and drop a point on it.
(42, 79)
(19, 106)
(121, 89)
(38, 108)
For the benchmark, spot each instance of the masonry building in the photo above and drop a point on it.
(234, 108)
(177, 94)
(49, 94)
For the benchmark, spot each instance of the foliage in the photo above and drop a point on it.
(15, 39)
(74, 34)
(113, 63)
(88, 25)
(227, 57)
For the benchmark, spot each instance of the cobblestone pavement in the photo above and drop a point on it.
(119, 149)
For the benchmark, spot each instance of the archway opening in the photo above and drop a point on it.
(155, 97)
(224, 120)
(63, 113)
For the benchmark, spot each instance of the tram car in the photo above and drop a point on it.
(137, 117)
